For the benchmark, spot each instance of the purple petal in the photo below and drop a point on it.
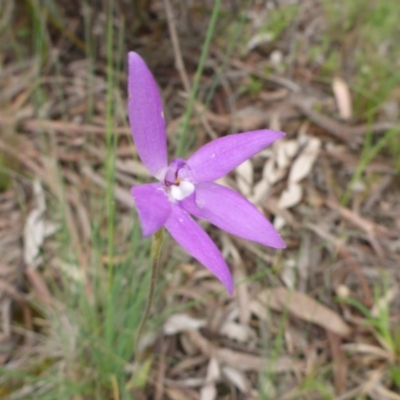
(231, 212)
(217, 158)
(153, 206)
(197, 243)
(146, 115)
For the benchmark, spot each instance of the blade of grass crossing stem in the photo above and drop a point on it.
(189, 109)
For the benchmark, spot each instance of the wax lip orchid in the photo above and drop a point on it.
(186, 187)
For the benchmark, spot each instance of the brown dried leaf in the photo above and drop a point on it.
(272, 172)
(236, 331)
(175, 393)
(181, 322)
(249, 362)
(260, 191)
(259, 38)
(237, 378)
(37, 228)
(244, 177)
(240, 360)
(303, 164)
(291, 196)
(285, 151)
(209, 390)
(304, 307)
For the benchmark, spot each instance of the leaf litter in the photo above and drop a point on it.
(220, 345)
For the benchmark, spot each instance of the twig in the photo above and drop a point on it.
(341, 131)
(180, 66)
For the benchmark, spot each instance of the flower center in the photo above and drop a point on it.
(176, 180)
(182, 190)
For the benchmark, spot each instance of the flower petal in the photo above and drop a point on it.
(153, 206)
(217, 158)
(146, 115)
(231, 212)
(197, 243)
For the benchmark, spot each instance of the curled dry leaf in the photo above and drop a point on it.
(209, 390)
(291, 147)
(279, 222)
(290, 196)
(272, 172)
(244, 177)
(237, 378)
(304, 307)
(285, 151)
(303, 164)
(342, 95)
(181, 322)
(236, 331)
(288, 273)
(259, 38)
(260, 191)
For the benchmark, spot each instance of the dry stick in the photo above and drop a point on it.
(180, 66)
(156, 244)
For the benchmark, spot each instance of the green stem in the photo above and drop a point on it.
(156, 244)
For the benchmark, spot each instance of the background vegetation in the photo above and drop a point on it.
(320, 320)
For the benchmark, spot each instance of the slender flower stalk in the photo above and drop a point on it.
(187, 187)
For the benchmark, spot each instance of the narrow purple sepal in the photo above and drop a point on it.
(198, 244)
(146, 116)
(231, 212)
(153, 206)
(217, 158)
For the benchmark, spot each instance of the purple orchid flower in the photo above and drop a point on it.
(186, 187)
